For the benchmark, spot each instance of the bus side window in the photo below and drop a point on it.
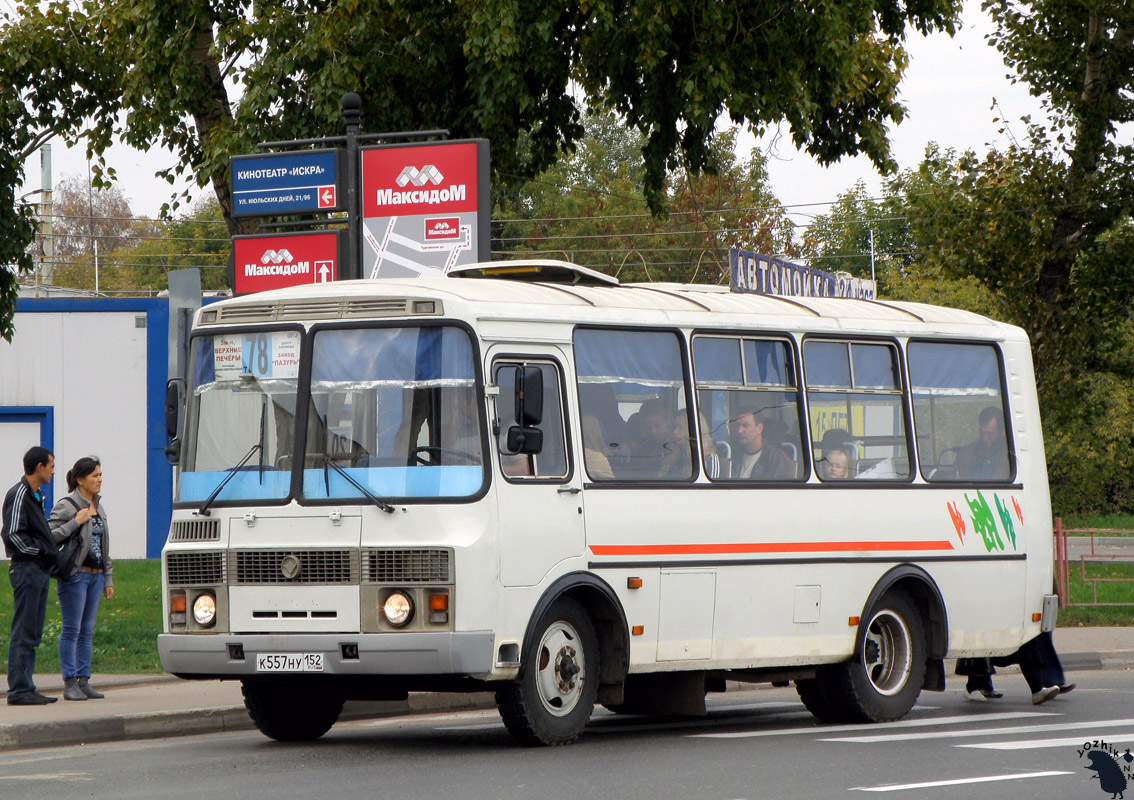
(749, 409)
(959, 412)
(551, 460)
(855, 399)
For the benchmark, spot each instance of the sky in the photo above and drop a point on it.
(948, 90)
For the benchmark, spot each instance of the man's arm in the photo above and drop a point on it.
(16, 530)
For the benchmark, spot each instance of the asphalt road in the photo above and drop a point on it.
(753, 744)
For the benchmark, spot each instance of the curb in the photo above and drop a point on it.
(169, 724)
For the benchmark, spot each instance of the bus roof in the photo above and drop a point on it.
(520, 296)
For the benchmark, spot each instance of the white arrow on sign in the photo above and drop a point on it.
(323, 271)
(328, 197)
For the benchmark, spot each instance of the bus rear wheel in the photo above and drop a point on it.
(553, 699)
(883, 680)
(292, 709)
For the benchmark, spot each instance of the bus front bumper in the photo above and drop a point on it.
(233, 655)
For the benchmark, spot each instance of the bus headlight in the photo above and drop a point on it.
(205, 610)
(398, 609)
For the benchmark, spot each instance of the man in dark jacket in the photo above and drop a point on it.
(30, 548)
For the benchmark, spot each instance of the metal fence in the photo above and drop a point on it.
(1086, 554)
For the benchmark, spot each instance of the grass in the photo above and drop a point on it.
(1122, 523)
(125, 637)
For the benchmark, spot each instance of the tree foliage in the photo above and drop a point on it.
(210, 78)
(590, 207)
(1041, 234)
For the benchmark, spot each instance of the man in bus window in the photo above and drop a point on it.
(759, 457)
(986, 459)
(661, 450)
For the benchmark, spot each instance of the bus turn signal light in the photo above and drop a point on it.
(177, 603)
(438, 602)
(638, 630)
(852, 621)
(1036, 617)
(633, 583)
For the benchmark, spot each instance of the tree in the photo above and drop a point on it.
(210, 78)
(590, 207)
(83, 215)
(197, 238)
(1045, 227)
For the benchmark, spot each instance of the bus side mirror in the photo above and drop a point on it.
(174, 392)
(529, 396)
(525, 438)
(174, 396)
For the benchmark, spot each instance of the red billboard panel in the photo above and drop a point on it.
(290, 259)
(434, 178)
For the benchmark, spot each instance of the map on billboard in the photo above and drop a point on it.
(425, 208)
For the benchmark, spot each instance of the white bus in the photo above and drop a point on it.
(527, 478)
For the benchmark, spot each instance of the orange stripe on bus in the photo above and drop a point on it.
(762, 547)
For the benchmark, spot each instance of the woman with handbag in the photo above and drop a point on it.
(89, 578)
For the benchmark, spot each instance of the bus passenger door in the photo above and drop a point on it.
(538, 493)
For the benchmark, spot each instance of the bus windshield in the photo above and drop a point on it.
(396, 410)
(242, 397)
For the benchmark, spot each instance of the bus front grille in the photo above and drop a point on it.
(402, 565)
(337, 567)
(195, 530)
(195, 569)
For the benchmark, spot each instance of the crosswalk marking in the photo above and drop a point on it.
(901, 737)
(1033, 744)
(959, 781)
(905, 723)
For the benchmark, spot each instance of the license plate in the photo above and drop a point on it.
(289, 662)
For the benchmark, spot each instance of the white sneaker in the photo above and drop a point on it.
(976, 697)
(1045, 694)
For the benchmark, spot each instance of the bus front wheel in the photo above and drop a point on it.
(553, 699)
(292, 709)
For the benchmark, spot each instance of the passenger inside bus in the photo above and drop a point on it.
(595, 451)
(987, 457)
(659, 448)
(837, 462)
(759, 456)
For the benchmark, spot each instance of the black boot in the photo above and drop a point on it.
(85, 688)
(71, 690)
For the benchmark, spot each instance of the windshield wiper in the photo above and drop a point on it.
(328, 462)
(204, 509)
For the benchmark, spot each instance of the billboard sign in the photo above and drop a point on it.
(298, 182)
(751, 272)
(425, 207)
(260, 263)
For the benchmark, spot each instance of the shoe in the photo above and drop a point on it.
(85, 688)
(31, 699)
(1065, 688)
(992, 694)
(1044, 694)
(71, 690)
(976, 697)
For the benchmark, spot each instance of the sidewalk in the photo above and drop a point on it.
(158, 706)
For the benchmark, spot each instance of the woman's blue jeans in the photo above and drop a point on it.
(79, 597)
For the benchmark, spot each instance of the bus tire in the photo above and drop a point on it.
(883, 680)
(555, 694)
(292, 709)
(820, 697)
